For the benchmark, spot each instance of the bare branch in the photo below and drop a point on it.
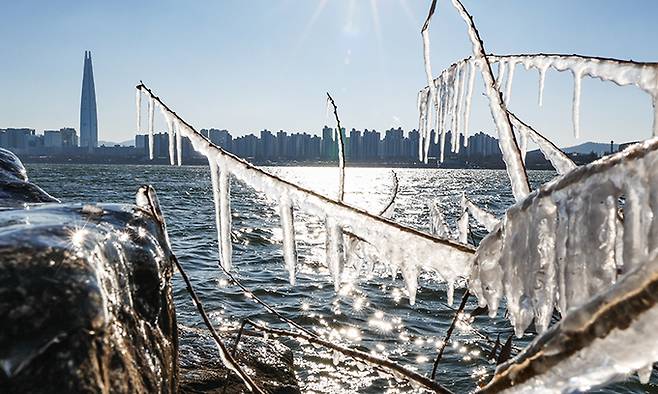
(225, 355)
(341, 151)
(462, 305)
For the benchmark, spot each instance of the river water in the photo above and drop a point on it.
(372, 313)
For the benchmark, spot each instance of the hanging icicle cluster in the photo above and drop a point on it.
(402, 248)
(620, 72)
(566, 243)
(448, 103)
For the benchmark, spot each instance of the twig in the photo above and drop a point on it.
(391, 201)
(426, 25)
(224, 353)
(265, 305)
(462, 305)
(391, 366)
(341, 151)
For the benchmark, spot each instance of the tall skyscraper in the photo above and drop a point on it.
(88, 121)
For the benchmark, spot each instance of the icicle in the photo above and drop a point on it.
(225, 218)
(450, 293)
(409, 272)
(510, 79)
(179, 143)
(138, 104)
(439, 100)
(469, 97)
(151, 109)
(462, 226)
(334, 250)
(655, 116)
(172, 143)
(454, 106)
(428, 121)
(523, 143)
(542, 281)
(577, 79)
(542, 79)
(501, 73)
(438, 225)
(421, 122)
(214, 179)
(289, 247)
(636, 216)
(460, 103)
(644, 374)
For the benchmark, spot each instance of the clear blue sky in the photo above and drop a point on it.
(248, 65)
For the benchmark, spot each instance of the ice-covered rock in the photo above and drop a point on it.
(85, 301)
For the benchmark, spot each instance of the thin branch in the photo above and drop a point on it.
(224, 352)
(560, 161)
(389, 365)
(426, 25)
(264, 304)
(394, 194)
(462, 305)
(341, 151)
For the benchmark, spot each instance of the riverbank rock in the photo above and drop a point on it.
(86, 303)
(15, 188)
(269, 362)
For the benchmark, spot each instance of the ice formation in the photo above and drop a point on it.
(560, 161)
(438, 225)
(151, 113)
(565, 242)
(604, 340)
(510, 79)
(403, 248)
(289, 247)
(486, 219)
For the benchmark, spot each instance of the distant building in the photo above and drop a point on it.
(88, 115)
(52, 139)
(69, 137)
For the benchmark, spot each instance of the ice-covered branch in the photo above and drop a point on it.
(560, 161)
(604, 340)
(508, 145)
(564, 243)
(643, 75)
(404, 248)
(488, 220)
(426, 116)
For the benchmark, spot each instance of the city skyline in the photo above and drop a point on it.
(250, 70)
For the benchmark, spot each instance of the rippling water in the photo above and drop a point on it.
(373, 313)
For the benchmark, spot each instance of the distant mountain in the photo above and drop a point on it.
(587, 147)
(111, 143)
